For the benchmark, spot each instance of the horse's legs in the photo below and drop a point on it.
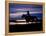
(27, 22)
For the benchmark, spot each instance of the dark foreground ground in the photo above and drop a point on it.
(25, 28)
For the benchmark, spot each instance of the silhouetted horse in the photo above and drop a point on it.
(29, 18)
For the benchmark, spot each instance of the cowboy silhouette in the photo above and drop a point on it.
(29, 18)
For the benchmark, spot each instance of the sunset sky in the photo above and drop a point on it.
(16, 10)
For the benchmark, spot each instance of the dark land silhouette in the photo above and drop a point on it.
(25, 27)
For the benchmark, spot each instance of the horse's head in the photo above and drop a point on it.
(23, 16)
